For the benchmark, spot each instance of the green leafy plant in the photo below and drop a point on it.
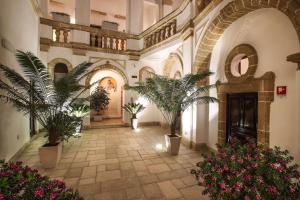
(174, 96)
(33, 92)
(99, 99)
(79, 110)
(249, 172)
(133, 108)
(23, 182)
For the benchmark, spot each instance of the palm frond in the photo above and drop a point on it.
(36, 71)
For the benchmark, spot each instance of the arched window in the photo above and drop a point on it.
(60, 70)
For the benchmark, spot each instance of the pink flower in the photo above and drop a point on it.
(52, 196)
(232, 157)
(223, 186)
(247, 178)
(39, 192)
(247, 197)
(248, 157)
(225, 168)
(1, 196)
(258, 196)
(272, 189)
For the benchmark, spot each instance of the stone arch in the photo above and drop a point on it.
(231, 13)
(168, 65)
(106, 66)
(145, 70)
(55, 61)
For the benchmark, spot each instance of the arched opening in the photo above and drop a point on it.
(112, 81)
(145, 72)
(60, 70)
(173, 67)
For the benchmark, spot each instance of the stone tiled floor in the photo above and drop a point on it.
(118, 163)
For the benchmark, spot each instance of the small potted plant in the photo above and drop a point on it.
(35, 93)
(134, 109)
(249, 172)
(80, 111)
(172, 97)
(99, 101)
(22, 182)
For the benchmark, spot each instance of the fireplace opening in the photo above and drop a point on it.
(241, 123)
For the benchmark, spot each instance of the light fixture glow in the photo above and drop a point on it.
(158, 146)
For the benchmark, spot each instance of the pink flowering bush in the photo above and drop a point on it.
(248, 172)
(19, 182)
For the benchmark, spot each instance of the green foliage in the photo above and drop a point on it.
(173, 96)
(79, 110)
(249, 172)
(34, 92)
(22, 182)
(133, 108)
(99, 99)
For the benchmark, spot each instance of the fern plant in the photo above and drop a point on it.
(133, 108)
(79, 110)
(173, 96)
(34, 92)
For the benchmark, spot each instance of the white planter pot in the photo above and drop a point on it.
(98, 118)
(50, 155)
(134, 123)
(173, 144)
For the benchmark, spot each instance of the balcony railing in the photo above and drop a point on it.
(170, 28)
(108, 40)
(69, 35)
(161, 34)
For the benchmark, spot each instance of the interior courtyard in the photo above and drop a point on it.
(245, 54)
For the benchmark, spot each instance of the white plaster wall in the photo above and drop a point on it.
(21, 16)
(151, 14)
(272, 34)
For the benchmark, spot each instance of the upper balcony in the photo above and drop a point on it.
(177, 25)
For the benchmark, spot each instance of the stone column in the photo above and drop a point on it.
(135, 11)
(82, 12)
(160, 9)
(82, 17)
(44, 4)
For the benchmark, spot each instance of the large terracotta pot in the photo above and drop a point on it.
(134, 123)
(173, 144)
(50, 155)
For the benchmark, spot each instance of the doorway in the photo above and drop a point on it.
(112, 82)
(242, 115)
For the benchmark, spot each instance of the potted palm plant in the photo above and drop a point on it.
(48, 102)
(79, 110)
(99, 101)
(134, 109)
(172, 97)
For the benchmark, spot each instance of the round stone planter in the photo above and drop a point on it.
(173, 144)
(50, 155)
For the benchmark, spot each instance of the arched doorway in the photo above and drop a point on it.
(112, 80)
(60, 70)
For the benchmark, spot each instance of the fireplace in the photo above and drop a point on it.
(242, 117)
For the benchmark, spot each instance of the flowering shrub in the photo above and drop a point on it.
(18, 182)
(248, 172)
